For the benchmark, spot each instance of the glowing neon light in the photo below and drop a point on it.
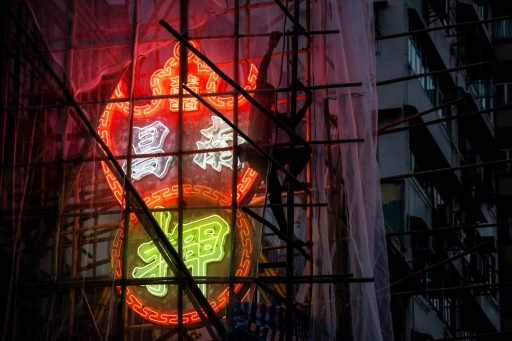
(189, 104)
(203, 243)
(206, 233)
(164, 81)
(150, 140)
(218, 136)
(218, 296)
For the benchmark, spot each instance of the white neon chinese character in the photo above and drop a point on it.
(150, 140)
(217, 136)
(189, 104)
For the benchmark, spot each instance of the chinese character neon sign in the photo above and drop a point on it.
(149, 140)
(217, 136)
(206, 235)
(203, 243)
(155, 127)
(208, 232)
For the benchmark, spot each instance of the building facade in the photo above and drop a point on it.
(444, 187)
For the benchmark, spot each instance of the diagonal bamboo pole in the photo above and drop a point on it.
(445, 27)
(426, 74)
(388, 179)
(445, 119)
(428, 268)
(247, 138)
(382, 130)
(231, 82)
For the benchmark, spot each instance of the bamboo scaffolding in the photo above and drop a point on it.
(74, 234)
(200, 303)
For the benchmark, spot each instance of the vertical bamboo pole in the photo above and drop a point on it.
(5, 101)
(69, 68)
(234, 178)
(309, 211)
(127, 194)
(290, 197)
(24, 179)
(74, 257)
(183, 79)
(3, 124)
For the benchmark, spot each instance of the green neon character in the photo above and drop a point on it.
(203, 243)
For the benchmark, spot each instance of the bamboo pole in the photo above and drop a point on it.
(382, 130)
(445, 119)
(226, 78)
(3, 137)
(388, 179)
(428, 268)
(445, 27)
(426, 74)
(443, 229)
(309, 211)
(234, 167)
(91, 283)
(500, 286)
(487, 336)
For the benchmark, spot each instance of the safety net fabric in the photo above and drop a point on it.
(351, 173)
(117, 111)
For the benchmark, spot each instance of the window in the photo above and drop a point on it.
(505, 154)
(490, 268)
(439, 9)
(436, 304)
(438, 199)
(504, 93)
(465, 333)
(483, 91)
(481, 10)
(432, 85)
(417, 67)
(447, 311)
(502, 29)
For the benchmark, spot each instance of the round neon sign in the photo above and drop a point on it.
(206, 239)
(207, 232)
